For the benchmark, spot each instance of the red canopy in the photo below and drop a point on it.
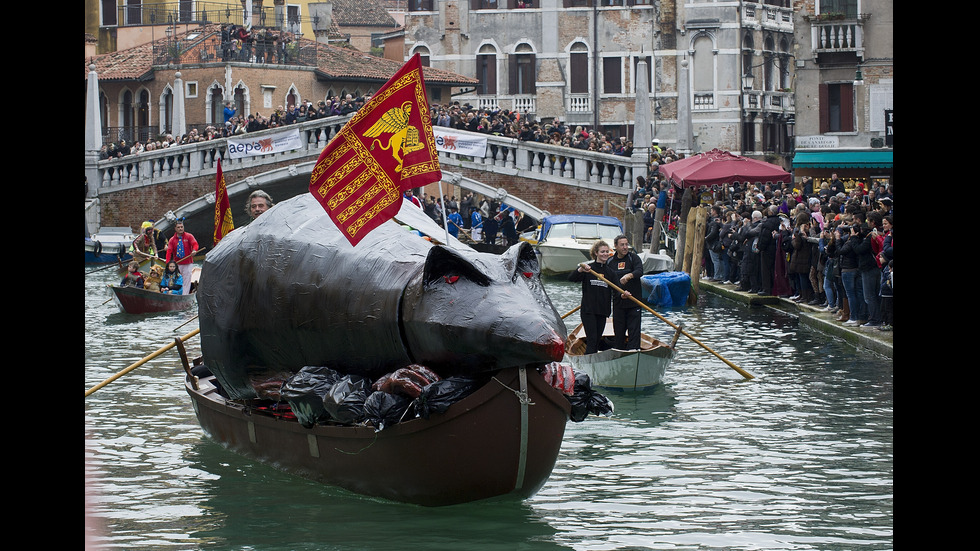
(721, 167)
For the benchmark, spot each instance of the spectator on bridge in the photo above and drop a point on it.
(230, 111)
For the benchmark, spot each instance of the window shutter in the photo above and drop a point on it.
(578, 72)
(512, 69)
(847, 107)
(823, 100)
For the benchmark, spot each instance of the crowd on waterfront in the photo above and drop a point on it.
(828, 245)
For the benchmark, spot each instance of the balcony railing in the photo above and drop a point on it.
(704, 101)
(276, 47)
(836, 36)
(579, 103)
(182, 13)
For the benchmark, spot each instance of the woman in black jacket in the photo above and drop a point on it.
(596, 294)
(850, 274)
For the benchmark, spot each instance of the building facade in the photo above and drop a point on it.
(845, 82)
(720, 73)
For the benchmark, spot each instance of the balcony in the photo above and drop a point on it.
(837, 35)
(769, 102)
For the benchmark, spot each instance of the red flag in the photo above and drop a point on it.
(385, 149)
(223, 222)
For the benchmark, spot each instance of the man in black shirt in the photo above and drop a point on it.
(626, 267)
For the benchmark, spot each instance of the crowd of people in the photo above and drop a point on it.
(179, 249)
(820, 245)
(237, 125)
(484, 220)
(513, 124)
(255, 44)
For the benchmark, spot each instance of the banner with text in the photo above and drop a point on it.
(474, 146)
(252, 146)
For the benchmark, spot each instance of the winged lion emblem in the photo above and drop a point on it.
(404, 137)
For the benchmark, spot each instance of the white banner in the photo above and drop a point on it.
(245, 146)
(474, 146)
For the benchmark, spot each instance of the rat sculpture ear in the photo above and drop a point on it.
(445, 264)
(521, 261)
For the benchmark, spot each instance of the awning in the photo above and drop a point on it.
(879, 158)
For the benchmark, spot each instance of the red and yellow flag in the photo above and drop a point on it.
(384, 150)
(223, 222)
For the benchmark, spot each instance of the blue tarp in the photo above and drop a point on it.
(666, 288)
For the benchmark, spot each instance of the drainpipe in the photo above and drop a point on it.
(595, 64)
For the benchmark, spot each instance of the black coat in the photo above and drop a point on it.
(629, 264)
(596, 294)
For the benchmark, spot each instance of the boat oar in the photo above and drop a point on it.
(141, 362)
(572, 311)
(199, 251)
(740, 371)
(186, 322)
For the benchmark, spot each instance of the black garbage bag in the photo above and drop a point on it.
(383, 409)
(585, 400)
(345, 400)
(305, 391)
(438, 396)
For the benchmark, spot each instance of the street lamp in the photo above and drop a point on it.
(747, 81)
(858, 78)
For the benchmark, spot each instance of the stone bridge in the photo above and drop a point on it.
(176, 182)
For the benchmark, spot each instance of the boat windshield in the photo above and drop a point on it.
(580, 230)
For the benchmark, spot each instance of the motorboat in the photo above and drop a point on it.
(563, 241)
(109, 245)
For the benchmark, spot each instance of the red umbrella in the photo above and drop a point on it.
(721, 167)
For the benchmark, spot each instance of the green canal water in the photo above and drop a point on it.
(800, 458)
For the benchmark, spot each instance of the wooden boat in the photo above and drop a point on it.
(616, 369)
(134, 300)
(501, 440)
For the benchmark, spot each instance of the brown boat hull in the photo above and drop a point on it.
(489, 444)
(133, 300)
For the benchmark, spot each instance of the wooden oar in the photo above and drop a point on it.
(572, 311)
(740, 371)
(141, 362)
(106, 267)
(186, 322)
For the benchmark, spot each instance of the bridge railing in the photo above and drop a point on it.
(546, 162)
(199, 158)
(549, 162)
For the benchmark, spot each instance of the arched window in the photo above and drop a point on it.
(784, 61)
(104, 110)
(166, 111)
(703, 65)
(143, 116)
(578, 68)
(240, 101)
(423, 55)
(770, 69)
(126, 118)
(522, 71)
(486, 70)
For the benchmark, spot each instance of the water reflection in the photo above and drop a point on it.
(799, 458)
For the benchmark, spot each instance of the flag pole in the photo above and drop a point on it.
(445, 215)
